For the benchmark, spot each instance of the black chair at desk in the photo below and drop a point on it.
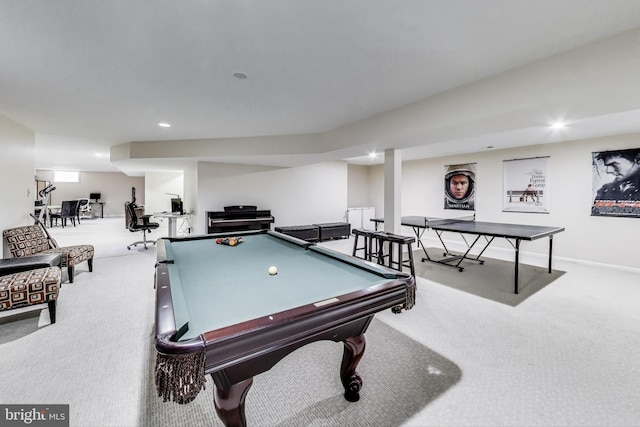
(69, 210)
(135, 226)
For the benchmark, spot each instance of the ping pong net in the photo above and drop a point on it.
(446, 221)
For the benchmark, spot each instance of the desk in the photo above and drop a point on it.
(49, 210)
(94, 205)
(218, 309)
(513, 233)
(173, 219)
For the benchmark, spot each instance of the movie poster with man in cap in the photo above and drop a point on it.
(460, 186)
(616, 183)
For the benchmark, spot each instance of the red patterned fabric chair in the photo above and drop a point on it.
(32, 240)
(31, 287)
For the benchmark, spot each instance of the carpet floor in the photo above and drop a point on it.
(400, 377)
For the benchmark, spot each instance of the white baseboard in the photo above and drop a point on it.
(531, 258)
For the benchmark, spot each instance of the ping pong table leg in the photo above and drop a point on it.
(464, 256)
(477, 258)
(517, 262)
(424, 249)
(446, 251)
(426, 255)
(419, 231)
(550, 251)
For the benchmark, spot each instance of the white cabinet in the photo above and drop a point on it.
(361, 217)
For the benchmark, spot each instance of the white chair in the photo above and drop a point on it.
(84, 208)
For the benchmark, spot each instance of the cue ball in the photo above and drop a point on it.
(273, 270)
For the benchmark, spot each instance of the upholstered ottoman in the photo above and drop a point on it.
(334, 230)
(31, 287)
(310, 233)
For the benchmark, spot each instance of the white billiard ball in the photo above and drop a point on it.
(273, 270)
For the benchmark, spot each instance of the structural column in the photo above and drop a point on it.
(392, 190)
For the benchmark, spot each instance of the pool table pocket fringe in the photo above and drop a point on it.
(180, 377)
(411, 296)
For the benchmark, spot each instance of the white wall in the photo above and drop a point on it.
(191, 189)
(156, 185)
(114, 189)
(301, 195)
(602, 240)
(16, 174)
(358, 190)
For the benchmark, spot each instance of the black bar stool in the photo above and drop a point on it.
(366, 236)
(400, 242)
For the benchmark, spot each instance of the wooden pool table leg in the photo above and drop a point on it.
(353, 351)
(229, 403)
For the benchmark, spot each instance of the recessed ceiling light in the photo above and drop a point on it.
(558, 125)
(164, 125)
(373, 155)
(240, 76)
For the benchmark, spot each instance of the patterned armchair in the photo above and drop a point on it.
(32, 240)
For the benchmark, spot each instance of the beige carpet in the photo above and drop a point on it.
(22, 323)
(400, 377)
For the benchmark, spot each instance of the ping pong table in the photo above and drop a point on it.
(512, 233)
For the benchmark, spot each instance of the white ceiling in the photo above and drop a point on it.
(88, 75)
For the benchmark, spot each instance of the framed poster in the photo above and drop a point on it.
(460, 186)
(526, 185)
(616, 183)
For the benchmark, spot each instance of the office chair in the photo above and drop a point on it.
(84, 208)
(134, 226)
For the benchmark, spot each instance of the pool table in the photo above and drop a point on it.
(220, 312)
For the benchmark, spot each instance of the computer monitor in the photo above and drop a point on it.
(176, 206)
(95, 196)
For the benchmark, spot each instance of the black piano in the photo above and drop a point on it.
(238, 218)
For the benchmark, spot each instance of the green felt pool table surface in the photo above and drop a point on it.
(215, 285)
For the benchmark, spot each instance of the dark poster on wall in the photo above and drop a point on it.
(460, 187)
(616, 183)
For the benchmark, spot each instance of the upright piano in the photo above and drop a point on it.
(238, 218)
